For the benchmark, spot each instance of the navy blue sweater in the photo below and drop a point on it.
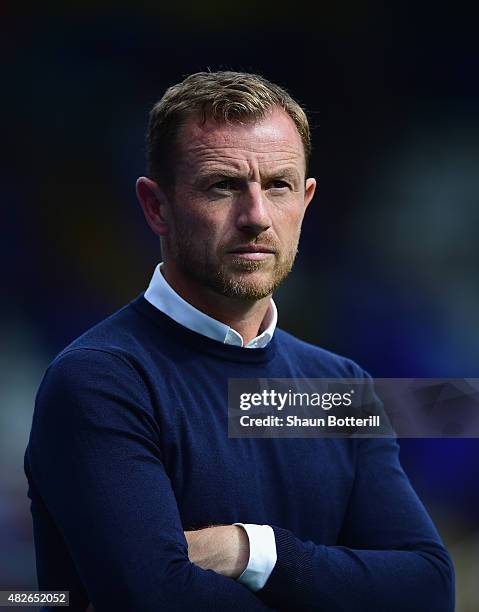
(129, 448)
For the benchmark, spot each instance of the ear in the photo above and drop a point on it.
(309, 191)
(154, 203)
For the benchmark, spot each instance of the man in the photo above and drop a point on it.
(140, 501)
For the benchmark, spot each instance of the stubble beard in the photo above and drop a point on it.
(232, 278)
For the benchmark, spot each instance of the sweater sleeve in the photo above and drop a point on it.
(389, 555)
(96, 461)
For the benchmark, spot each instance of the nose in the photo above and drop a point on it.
(253, 213)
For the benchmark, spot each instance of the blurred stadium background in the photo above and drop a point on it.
(388, 266)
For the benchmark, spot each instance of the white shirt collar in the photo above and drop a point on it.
(161, 295)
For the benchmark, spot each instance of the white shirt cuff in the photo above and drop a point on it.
(262, 556)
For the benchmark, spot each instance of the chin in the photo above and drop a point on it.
(253, 286)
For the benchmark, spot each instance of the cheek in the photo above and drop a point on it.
(188, 218)
(288, 224)
(211, 219)
(203, 227)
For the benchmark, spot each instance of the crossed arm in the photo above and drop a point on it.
(100, 472)
(223, 549)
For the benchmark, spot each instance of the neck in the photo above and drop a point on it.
(244, 316)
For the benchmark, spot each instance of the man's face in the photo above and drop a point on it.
(237, 206)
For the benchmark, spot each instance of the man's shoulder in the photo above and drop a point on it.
(116, 335)
(93, 375)
(320, 361)
(108, 355)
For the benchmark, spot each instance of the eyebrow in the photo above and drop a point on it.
(207, 175)
(218, 173)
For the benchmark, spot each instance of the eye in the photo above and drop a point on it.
(279, 184)
(224, 185)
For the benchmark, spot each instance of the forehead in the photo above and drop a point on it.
(273, 139)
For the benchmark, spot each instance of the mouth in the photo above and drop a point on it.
(252, 252)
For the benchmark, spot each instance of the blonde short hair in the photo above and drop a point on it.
(223, 96)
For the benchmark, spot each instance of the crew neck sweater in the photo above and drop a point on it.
(129, 448)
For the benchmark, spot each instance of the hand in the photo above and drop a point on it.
(223, 549)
